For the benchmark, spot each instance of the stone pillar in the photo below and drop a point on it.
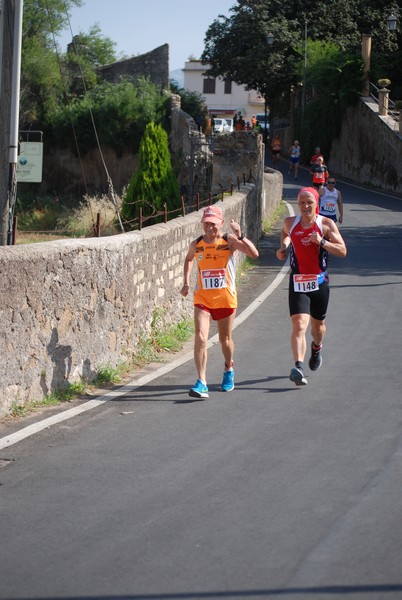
(383, 97)
(366, 54)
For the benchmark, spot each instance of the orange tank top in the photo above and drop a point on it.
(215, 287)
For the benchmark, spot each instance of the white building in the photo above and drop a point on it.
(223, 97)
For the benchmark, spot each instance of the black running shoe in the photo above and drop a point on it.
(297, 376)
(315, 361)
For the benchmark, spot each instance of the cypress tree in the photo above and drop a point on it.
(154, 181)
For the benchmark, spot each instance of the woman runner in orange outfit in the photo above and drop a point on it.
(215, 294)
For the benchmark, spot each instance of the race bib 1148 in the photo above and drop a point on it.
(305, 283)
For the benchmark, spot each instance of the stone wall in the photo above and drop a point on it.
(272, 192)
(64, 172)
(153, 65)
(70, 306)
(237, 155)
(189, 148)
(368, 151)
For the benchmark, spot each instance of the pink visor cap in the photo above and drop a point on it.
(212, 214)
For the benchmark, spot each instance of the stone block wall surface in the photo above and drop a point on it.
(78, 176)
(272, 192)
(237, 156)
(367, 151)
(153, 65)
(69, 307)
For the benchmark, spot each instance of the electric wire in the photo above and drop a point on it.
(111, 191)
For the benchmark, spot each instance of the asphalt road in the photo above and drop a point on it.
(269, 491)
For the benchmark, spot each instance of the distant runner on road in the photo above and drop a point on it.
(310, 238)
(330, 200)
(215, 295)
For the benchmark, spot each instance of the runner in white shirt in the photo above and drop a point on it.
(330, 201)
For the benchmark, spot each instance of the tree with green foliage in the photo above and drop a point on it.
(85, 54)
(153, 183)
(119, 112)
(236, 49)
(42, 88)
(192, 103)
(49, 77)
(236, 46)
(39, 85)
(335, 80)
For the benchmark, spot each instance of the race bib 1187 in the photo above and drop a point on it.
(213, 279)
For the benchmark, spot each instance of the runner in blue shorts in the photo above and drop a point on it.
(294, 155)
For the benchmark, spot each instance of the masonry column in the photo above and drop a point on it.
(383, 99)
(366, 54)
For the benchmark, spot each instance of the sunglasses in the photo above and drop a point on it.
(330, 182)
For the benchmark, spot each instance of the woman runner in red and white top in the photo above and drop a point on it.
(310, 238)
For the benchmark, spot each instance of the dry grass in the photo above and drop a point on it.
(83, 219)
(26, 237)
(72, 223)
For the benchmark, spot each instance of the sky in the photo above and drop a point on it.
(139, 26)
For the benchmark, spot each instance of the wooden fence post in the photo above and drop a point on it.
(97, 228)
(15, 225)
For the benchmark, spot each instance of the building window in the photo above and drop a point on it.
(228, 87)
(209, 86)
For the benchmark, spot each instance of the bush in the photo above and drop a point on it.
(120, 114)
(154, 182)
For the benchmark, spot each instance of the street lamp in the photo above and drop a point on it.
(270, 40)
(304, 66)
(391, 22)
(304, 72)
(366, 51)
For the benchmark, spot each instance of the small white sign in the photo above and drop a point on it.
(30, 160)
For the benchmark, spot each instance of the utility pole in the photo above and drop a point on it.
(304, 72)
(10, 67)
(6, 39)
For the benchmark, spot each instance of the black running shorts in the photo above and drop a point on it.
(310, 303)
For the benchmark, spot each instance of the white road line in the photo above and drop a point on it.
(14, 438)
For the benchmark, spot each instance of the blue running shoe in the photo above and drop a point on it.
(228, 381)
(297, 376)
(200, 390)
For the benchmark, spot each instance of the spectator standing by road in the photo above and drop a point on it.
(310, 238)
(215, 295)
(294, 155)
(276, 146)
(330, 200)
(319, 172)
